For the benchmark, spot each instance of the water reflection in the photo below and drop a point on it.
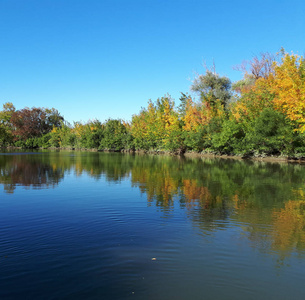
(267, 200)
(27, 170)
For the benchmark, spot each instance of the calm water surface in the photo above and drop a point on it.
(76, 225)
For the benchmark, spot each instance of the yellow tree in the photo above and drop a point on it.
(144, 128)
(288, 86)
(168, 123)
(139, 129)
(157, 126)
(253, 101)
(196, 115)
(282, 89)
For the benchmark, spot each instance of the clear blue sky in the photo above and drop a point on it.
(106, 58)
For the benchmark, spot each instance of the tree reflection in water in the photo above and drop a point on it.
(29, 171)
(266, 200)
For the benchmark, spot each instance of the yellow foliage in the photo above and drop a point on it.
(288, 85)
(250, 105)
(283, 90)
(289, 226)
(196, 115)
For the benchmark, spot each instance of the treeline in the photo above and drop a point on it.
(262, 114)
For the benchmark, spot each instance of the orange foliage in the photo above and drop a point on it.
(239, 204)
(200, 114)
(196, 195)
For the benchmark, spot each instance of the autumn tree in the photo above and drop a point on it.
(28, 123)
(144, 128)
(34, 122)
(63, 136)
(254, 90)
(271, 111)
(288, 85)
(139, 129)
(261, 66)
(158, 126)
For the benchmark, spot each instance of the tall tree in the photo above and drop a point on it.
(53, 118)
(212, 88)
(29, 123)
(6, 127)
(34, 122)
(6, 114)
(288, 85)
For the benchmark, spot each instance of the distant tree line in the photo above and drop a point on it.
(262, 114)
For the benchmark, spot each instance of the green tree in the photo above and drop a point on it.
(272, 133)
(6, 126)
(212, 87)
(53, 118)
(115, 136)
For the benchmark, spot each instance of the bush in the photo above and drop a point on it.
(115, 137)
(271, 134)
(230, 140)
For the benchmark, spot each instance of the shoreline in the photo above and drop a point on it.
(187, 154)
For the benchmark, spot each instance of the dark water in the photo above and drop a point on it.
(77, 225)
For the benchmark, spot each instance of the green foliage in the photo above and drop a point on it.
(212, 87)
(55, 139)
(63, 136)
(175, 141)
(271, 133)
(44, 141)
(5, 136)
(156, 127)
(53, 118)
(88, 135)
(6, 128)
(195, 140)
(20, 144)
(183, 104)
(115, 137)
(95, 136)
(230, 140)
(244, 84)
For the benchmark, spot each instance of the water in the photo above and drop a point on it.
(78, 225)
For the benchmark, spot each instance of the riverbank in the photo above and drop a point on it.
(191, 154)
(254, 158)
(187, 154)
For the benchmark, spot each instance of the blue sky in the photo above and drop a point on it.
(100, 59)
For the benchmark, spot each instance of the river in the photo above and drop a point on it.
(90, 225)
